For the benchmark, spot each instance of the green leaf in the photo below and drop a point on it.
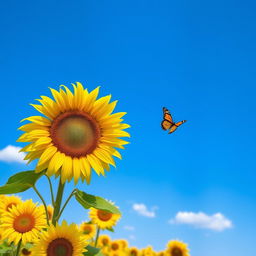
(5, 251)
(91, 251)
(20, 182)
(29, 177)
(13, 188)
(110, 229)
(88, 201)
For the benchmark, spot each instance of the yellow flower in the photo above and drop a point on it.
(103, 219)
(78, 133)
(133, 251)
(162, 253)
(89, 230)
(24, 222)
(148, 251)
(123, 243)
(103, 240)
(64, 240)
(7, 202)
(115, 246)
(177, 248)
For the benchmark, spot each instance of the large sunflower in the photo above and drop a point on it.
(77, 133)
(177, 248)
(103, 219)
(24, 222)
(64, 240)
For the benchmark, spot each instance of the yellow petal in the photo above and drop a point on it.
(38, 120)
(104, 156)
(91, 99)
(76, 169)
(95, 164)
(48, 153)
(55, 163)
(66, 170)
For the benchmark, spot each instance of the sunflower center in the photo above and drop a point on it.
(105, 241)
(25, 251)
(87, 230)
(133, 253)
(114, 246)
(104, 215)
(24, 223)
(60, 247)
(176, 252)
(75, 133)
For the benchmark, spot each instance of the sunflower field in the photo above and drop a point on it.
(75, 134)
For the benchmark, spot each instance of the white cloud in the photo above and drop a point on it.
(142, 209)
(132, 237)
(11, 154)
(129, 228)
(217, 221)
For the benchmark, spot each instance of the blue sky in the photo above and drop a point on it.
(195, 57)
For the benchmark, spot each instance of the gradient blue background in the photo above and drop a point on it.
(195, 57)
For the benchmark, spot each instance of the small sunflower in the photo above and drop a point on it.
(162, 253)
(133, 251)
(89, 230)
(24, 222)
(78, 133)
(177, 248)
(123, 243)
(115, 246)
(103, 219)
(7, 202)
(117, 253)
(103, 241)
(62, 240)
(148, 251)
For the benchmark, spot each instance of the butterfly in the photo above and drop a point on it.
(168, 124)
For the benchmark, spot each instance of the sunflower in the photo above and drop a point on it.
(89, 230)
(177, 248)
(133, 251)
(7, 202)
(64, 240)
(123, 243)
(148, 251)
(24, 222)
(103, 219)
(103, 241)
(115, 246)
(78, 133)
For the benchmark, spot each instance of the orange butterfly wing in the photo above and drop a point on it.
(176, 125)
(166, 125)
(167, 115)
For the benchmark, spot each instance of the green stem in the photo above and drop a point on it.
(52, 195)
(97, 236)
(18, 248)
(57, 203)
(45, 207)
(62, 209)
